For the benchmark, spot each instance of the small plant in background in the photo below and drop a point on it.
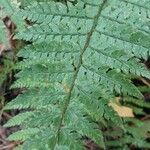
(9, 23)
(7, 29)
(79, 63)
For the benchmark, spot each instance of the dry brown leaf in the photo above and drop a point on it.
(122, 111)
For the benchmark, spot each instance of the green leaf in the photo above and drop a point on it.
(80, 57)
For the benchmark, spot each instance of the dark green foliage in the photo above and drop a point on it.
(81, 56)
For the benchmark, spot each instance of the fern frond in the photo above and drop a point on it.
(34, 99)
(23, 134)
(121, 35)
(18, 120)
(137, 102)
(77, 51)
(136, 135)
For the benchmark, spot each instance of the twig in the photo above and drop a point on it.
(145, 82)
(146, 118)
(2, 140)
(8, 146)
(2, 101)
(7, 115)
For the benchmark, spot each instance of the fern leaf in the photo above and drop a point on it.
(23, 134)
(110, 30)
(138, 102)
(18, 120)
(77, 52)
